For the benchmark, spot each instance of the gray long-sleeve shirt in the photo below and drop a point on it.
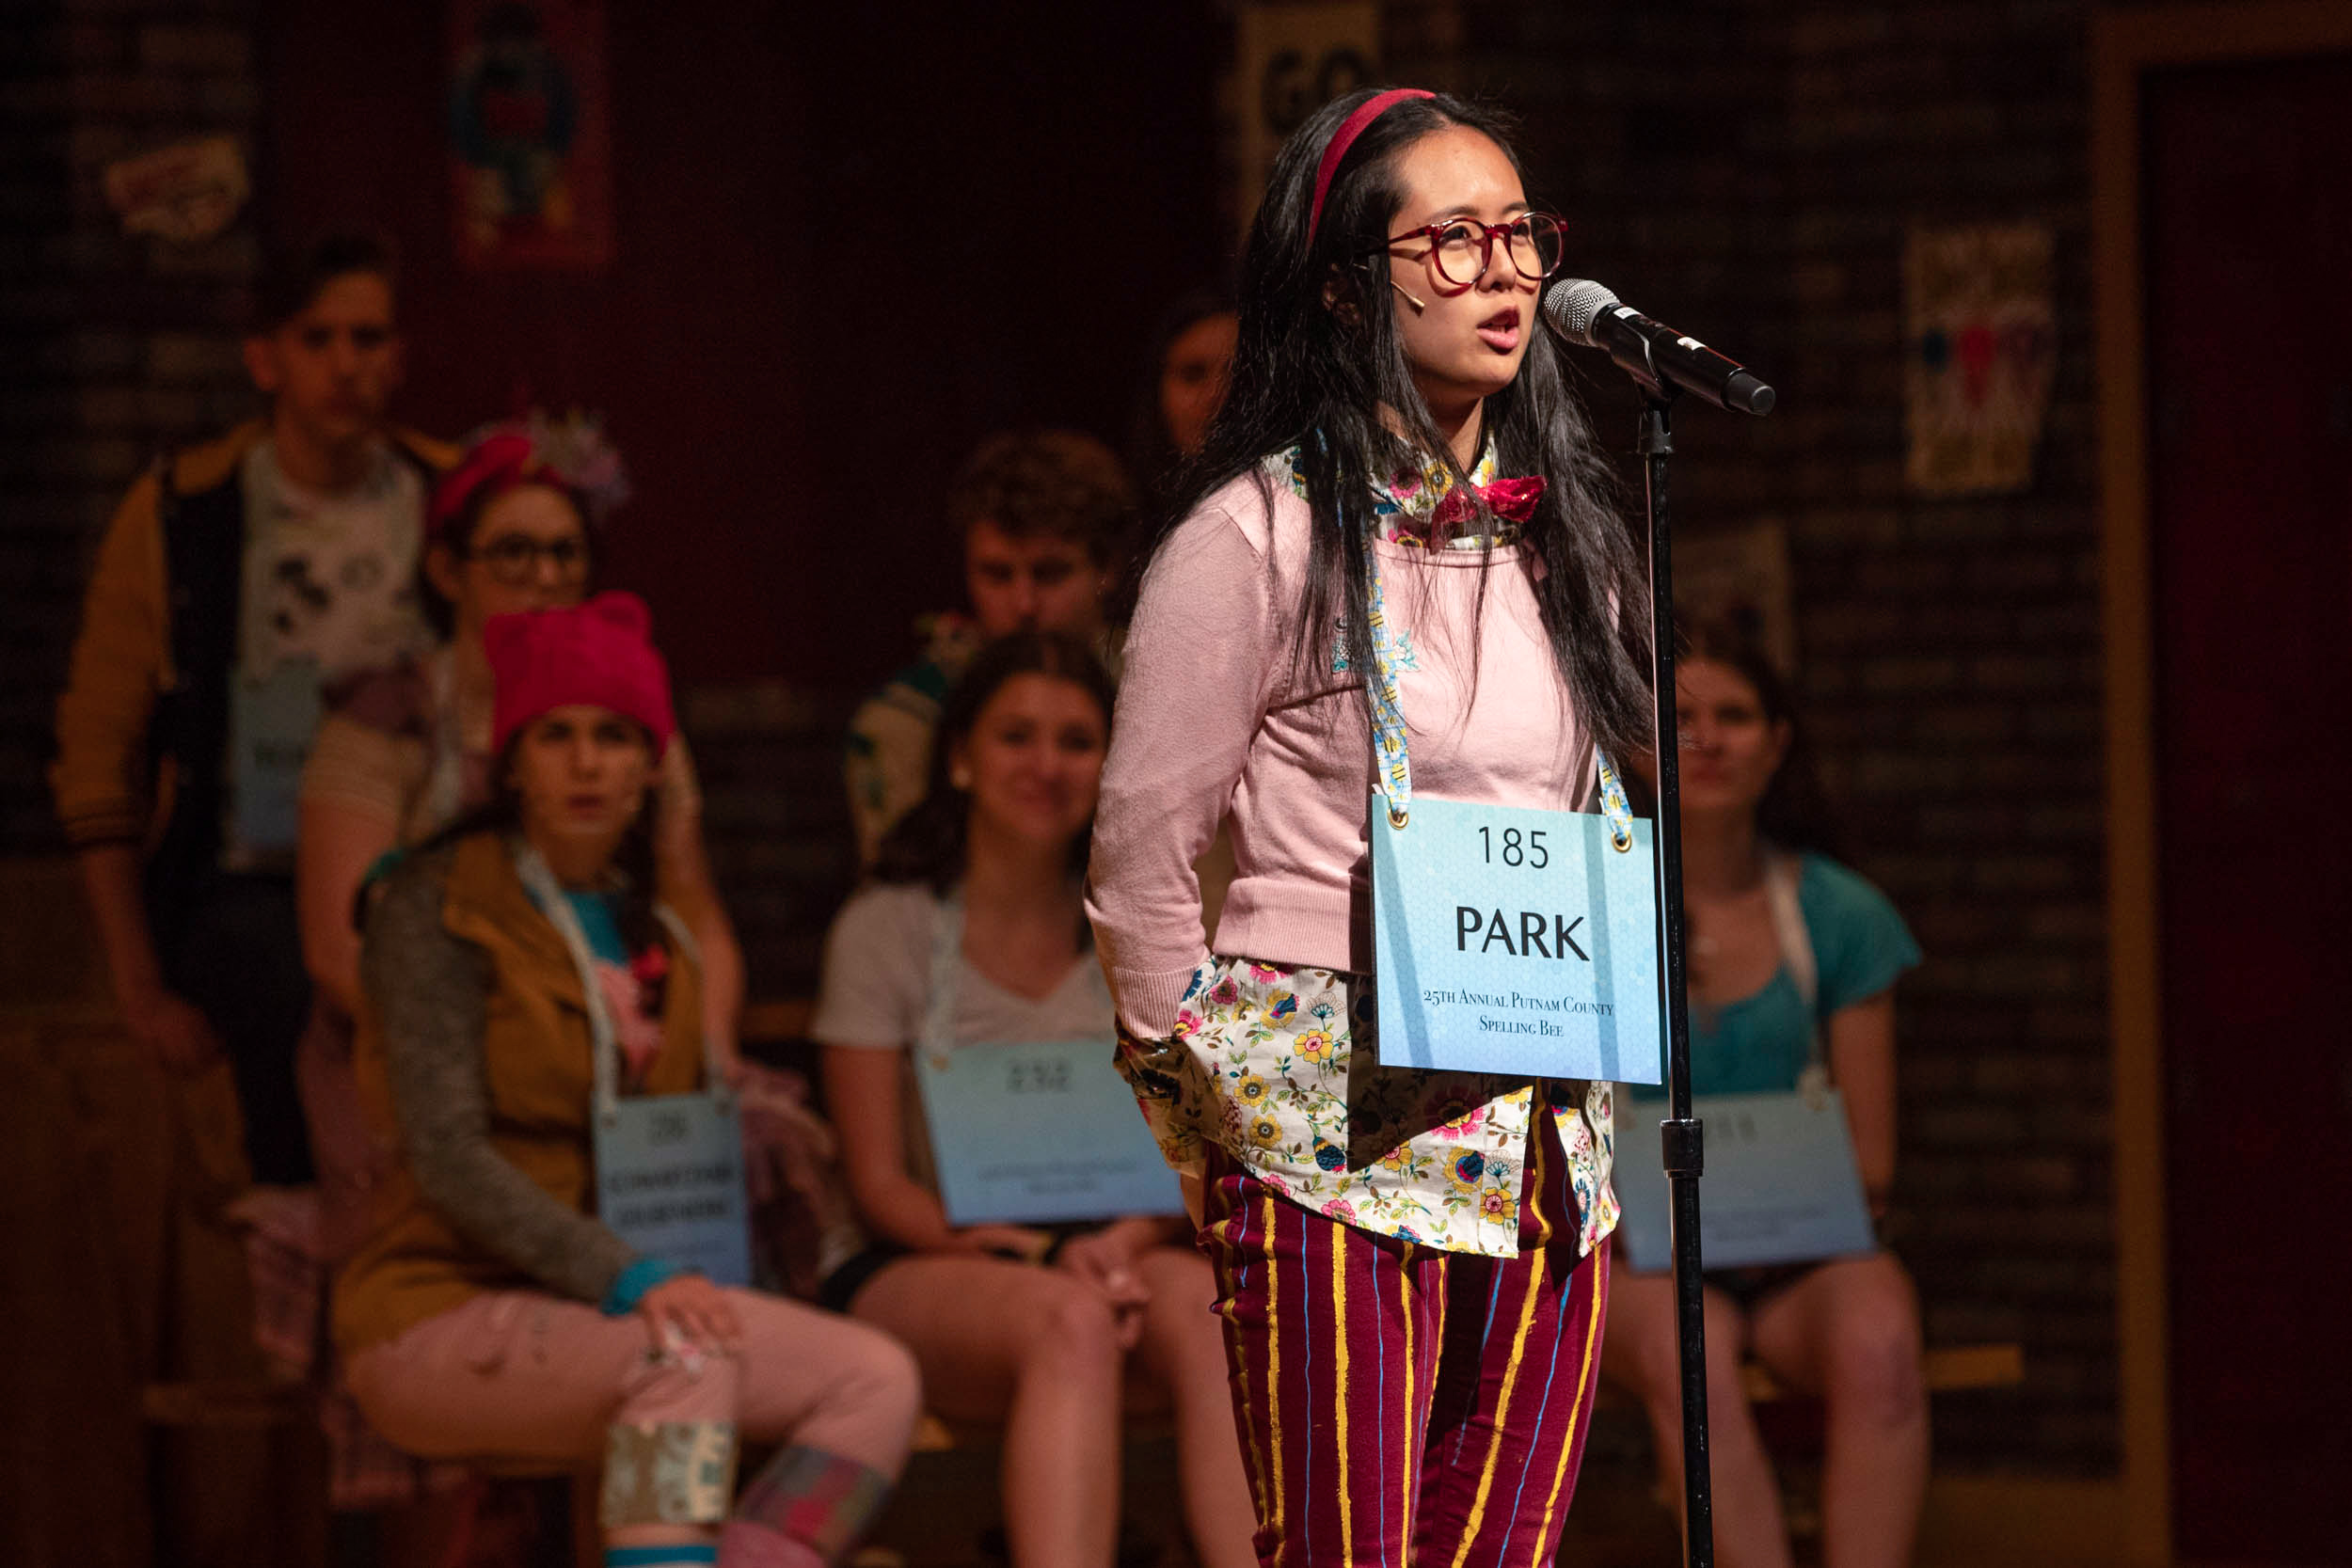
(431, 994)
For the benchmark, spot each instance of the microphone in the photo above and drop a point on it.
(1651, 351)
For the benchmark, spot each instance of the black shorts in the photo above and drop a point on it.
(838, 1288)
(1750, 1287)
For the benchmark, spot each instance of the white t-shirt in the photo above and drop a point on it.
(877, 982)
(876, 994)
(329, 593)
(330, 576)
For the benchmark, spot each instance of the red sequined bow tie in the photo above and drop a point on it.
(1512, 500)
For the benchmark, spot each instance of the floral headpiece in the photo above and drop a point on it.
(571, 453)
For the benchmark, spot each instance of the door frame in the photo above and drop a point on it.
(2125, 45)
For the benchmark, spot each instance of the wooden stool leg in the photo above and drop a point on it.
(587, 1529)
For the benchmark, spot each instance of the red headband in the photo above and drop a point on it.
(1344, 137)
(497, 463)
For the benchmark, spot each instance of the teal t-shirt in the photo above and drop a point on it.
(598, 922)
(1759, 1044)
(594, 912)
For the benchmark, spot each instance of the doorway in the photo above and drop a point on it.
(2246, 234)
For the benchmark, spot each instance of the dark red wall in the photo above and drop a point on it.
(849, 242)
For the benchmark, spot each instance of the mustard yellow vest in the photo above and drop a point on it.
(535, 1047)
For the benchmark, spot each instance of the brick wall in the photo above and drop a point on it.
(776, 819)
(1952, 672)
(110, 347)
(1749, 169)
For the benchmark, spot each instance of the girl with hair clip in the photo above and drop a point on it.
(1398, 538)
(522, 984)
(1793, 963)
(971, 931)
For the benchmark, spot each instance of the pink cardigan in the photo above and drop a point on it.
(1214, 721)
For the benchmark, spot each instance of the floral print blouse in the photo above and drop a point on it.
(1279, 1067)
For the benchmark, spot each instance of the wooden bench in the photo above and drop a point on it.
(1946, 1369)
(1949, 1369)
(777, 1021)
(227, 1403)
(937, 1434)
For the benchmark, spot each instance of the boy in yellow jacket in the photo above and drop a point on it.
(238, 581)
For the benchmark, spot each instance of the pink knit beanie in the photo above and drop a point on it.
(599, 653)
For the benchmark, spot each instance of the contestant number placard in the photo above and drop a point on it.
(1515, 942)
(670, 1182)
(1781, 1185)
(1035, 1133)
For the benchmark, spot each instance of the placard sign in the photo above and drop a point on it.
(1290, 60)
(1515, 942)
(272, 721)
(1035, 1133)
(1781, 1185)
(670, 1181)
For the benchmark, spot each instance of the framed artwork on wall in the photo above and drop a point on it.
(1982, 353)
(529, 135)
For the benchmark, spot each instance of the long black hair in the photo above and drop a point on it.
(1316, 374)
(928, 845)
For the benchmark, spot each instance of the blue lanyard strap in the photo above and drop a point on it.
(1393, 762)
(1613, 804)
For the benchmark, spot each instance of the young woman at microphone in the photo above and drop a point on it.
(1399, 536)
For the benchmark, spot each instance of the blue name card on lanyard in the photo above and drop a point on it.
(1781, 1186)
(1029, 1133)
(1514, 941)
(669, 1167)
(1507, 939)
(271, 723)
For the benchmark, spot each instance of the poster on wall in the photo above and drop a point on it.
(186, 194)
(1981, 348)
(530, 138)
(1293, 59)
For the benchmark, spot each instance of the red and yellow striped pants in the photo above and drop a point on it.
(1401, 1405)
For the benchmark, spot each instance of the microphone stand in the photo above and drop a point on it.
(1681, 1132)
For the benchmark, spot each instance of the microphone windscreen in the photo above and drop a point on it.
(1572, 304)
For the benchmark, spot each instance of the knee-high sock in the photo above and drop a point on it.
(804, 1510)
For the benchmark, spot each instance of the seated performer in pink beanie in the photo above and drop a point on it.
(522, 988)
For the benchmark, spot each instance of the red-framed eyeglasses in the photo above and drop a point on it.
(1463, 248)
